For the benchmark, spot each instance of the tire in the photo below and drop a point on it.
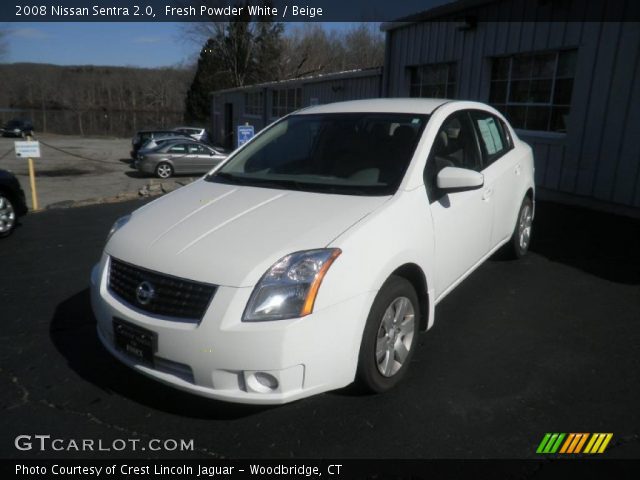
(164, 170)
(8, 216)
(520, 241)
(390, 337)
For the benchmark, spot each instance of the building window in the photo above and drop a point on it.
(253, 103)
(286, 101)
(433, 81)
(534, 90)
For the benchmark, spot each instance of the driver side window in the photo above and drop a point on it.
(455, 145)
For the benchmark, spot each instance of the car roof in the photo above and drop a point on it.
(380, 105)
(167, 135)
(165, 130)
(173, 141)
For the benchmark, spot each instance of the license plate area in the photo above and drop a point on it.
(136, 342)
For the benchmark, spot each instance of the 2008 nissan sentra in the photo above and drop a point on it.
(314, 255)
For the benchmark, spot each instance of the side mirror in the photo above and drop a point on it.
(455, 179)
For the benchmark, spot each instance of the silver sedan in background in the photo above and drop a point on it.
(179, 157)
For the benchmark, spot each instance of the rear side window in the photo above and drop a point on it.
(178, 149)
(493, 136)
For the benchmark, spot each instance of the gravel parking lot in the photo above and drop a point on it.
(549, 343)
(75, 168)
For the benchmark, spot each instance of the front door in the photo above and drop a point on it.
(462, 221)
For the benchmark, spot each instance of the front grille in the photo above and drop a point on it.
(173, 297)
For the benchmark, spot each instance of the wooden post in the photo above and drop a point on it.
(32, 181)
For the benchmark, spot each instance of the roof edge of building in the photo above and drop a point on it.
(433, 13)
(323, 77)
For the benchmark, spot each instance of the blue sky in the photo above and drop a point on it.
(137, 44)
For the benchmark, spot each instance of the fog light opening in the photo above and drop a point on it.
(262, 382)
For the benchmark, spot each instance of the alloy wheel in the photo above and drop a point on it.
(395, 336)
(164, 171)
(524, 227)
(7, 215)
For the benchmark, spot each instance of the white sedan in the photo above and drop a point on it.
(314, 255)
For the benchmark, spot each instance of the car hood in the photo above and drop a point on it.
(230, 235)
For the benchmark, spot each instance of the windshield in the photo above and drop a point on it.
(345, 153)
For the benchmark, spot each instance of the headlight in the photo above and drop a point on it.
(289, 288)
(118, 224)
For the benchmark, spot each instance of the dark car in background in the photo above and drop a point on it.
(143, 136)
(17, 128)
(12, 202)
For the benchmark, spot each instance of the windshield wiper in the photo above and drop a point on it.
(289, 184)
(257, 181)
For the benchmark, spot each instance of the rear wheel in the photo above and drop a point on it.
(164, 170)
(7, 216)
(521, 238)
(390, 336)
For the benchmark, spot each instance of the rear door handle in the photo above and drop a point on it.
(518, 170)
(487, 194)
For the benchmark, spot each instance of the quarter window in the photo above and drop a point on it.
(285, 101)
(534, 90)
(433, 81)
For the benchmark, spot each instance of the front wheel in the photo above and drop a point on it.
(164, 170)
(390, 336)
(521, 237)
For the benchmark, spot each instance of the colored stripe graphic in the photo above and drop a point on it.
(567, 443)
(550, 443)
(598, 443)
(581, 442)
(606, 442)
(573, 443)
(544, 441)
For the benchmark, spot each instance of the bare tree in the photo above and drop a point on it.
(311, 49)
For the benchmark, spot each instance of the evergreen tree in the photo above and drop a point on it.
(240, 52)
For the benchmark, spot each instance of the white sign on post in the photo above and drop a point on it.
(27, 149)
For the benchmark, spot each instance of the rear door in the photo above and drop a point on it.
(501, 169)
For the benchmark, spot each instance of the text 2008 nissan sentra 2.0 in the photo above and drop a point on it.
(314, 255)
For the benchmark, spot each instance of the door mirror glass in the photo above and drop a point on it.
(456, 179)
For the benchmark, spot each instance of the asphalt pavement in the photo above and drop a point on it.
(550, 343)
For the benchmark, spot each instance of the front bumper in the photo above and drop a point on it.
(219, 357)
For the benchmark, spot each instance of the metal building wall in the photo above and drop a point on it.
(323, 89)
(599, 156)
(341, 89)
